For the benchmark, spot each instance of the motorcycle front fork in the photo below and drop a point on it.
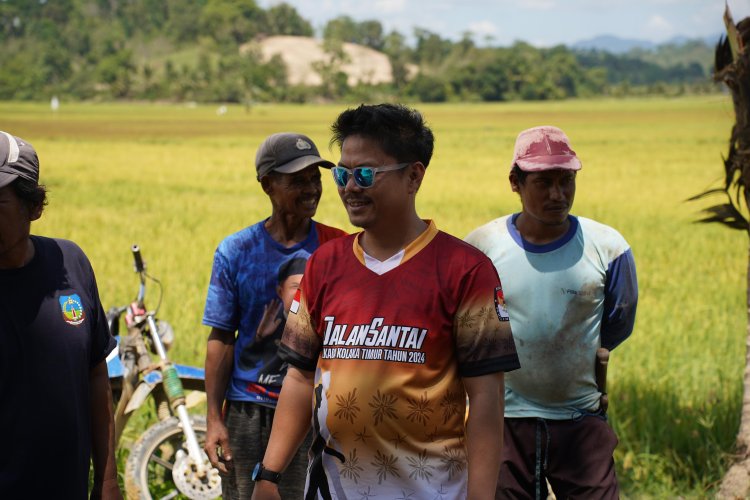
(176, 396)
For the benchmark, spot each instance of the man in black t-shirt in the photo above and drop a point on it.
(56, 412)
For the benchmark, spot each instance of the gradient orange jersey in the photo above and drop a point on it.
(389, 352)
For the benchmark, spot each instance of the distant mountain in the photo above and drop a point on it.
(612, 44)
(616, 45)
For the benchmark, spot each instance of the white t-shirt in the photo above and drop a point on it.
(565, 300)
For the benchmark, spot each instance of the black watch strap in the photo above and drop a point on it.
(260, 473)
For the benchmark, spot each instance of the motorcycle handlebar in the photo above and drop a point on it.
(137, 259)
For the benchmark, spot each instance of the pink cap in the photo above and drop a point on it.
(544, 148)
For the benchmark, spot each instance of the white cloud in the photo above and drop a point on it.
(659, 27)
(538, 4)
(483, 28)
(389, 6)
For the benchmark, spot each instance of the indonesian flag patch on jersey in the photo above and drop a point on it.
(295, 303)
(500, 307)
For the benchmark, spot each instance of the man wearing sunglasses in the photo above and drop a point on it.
(571, 288)
(390, 331)
(242, 298)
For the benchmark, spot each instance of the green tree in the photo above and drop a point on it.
(283, 19)
(428, 89)
(370, 34)
(400, 55)
(334, 80)
(181, 19)
(143, 16)
(342, 28)
(484, 78)
(232, 22)
(430, 50)
(345, 29)
(116, 71)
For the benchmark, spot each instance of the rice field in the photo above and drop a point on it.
(176, 179)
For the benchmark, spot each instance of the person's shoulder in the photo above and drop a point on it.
(241, 238)
(329, 257)
(596, 229)
(60, 252)
(340, 243)
(457, 249)
(603, 236)
(495, 225)
(67, 247)
(327, 233)
(489, 234)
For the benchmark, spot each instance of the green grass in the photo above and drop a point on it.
(177, 179)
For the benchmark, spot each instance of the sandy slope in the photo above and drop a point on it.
(363, 65)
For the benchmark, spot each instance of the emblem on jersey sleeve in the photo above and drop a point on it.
(500, 307)
(295, 302)
(72, 309)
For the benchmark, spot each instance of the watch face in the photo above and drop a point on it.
(256, 471)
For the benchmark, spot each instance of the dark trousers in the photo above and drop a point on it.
(575, 456)
(249, 427)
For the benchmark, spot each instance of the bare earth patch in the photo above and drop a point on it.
(364, 65)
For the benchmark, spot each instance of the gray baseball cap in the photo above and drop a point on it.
(287, 152)
(17, 159)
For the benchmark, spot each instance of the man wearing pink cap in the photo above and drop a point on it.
(570, 287)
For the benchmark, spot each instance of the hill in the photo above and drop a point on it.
(618, 45)
(612, 44)
(305, 57)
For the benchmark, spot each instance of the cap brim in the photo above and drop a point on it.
(302, 163)
(563, 162)
(6, 178)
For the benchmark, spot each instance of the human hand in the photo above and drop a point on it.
(217, 437)
(270, 321)
(266, 490)
(108, 489)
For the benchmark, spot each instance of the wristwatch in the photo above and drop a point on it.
(260, 473)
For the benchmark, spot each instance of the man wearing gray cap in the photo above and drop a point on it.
(242, 298)
(570, 288)
(56, 400)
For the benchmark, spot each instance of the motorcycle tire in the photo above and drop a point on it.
(148, 470)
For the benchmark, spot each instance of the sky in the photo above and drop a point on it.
(542, 23)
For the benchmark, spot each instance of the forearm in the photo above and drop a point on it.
(291, 421)
(484, 433)
(219, 362)
(102, 426)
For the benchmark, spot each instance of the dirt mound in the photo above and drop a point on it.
(363, 65)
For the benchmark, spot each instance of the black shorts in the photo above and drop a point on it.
(575, 456)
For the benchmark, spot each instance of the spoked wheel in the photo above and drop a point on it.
(160, 455)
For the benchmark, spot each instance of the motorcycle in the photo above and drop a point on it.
(167, 461)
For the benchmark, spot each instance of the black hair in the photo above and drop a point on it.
(520, 174)
(290, 268)
(33, 195)
(401, 131)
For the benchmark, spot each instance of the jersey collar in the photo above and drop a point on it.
(547, 247)
(411, 249)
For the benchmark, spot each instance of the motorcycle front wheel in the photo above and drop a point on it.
(149, 468)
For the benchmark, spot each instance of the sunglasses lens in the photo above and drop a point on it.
(340, 176)
(364, 176)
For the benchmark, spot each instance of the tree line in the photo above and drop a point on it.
(188, 50)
